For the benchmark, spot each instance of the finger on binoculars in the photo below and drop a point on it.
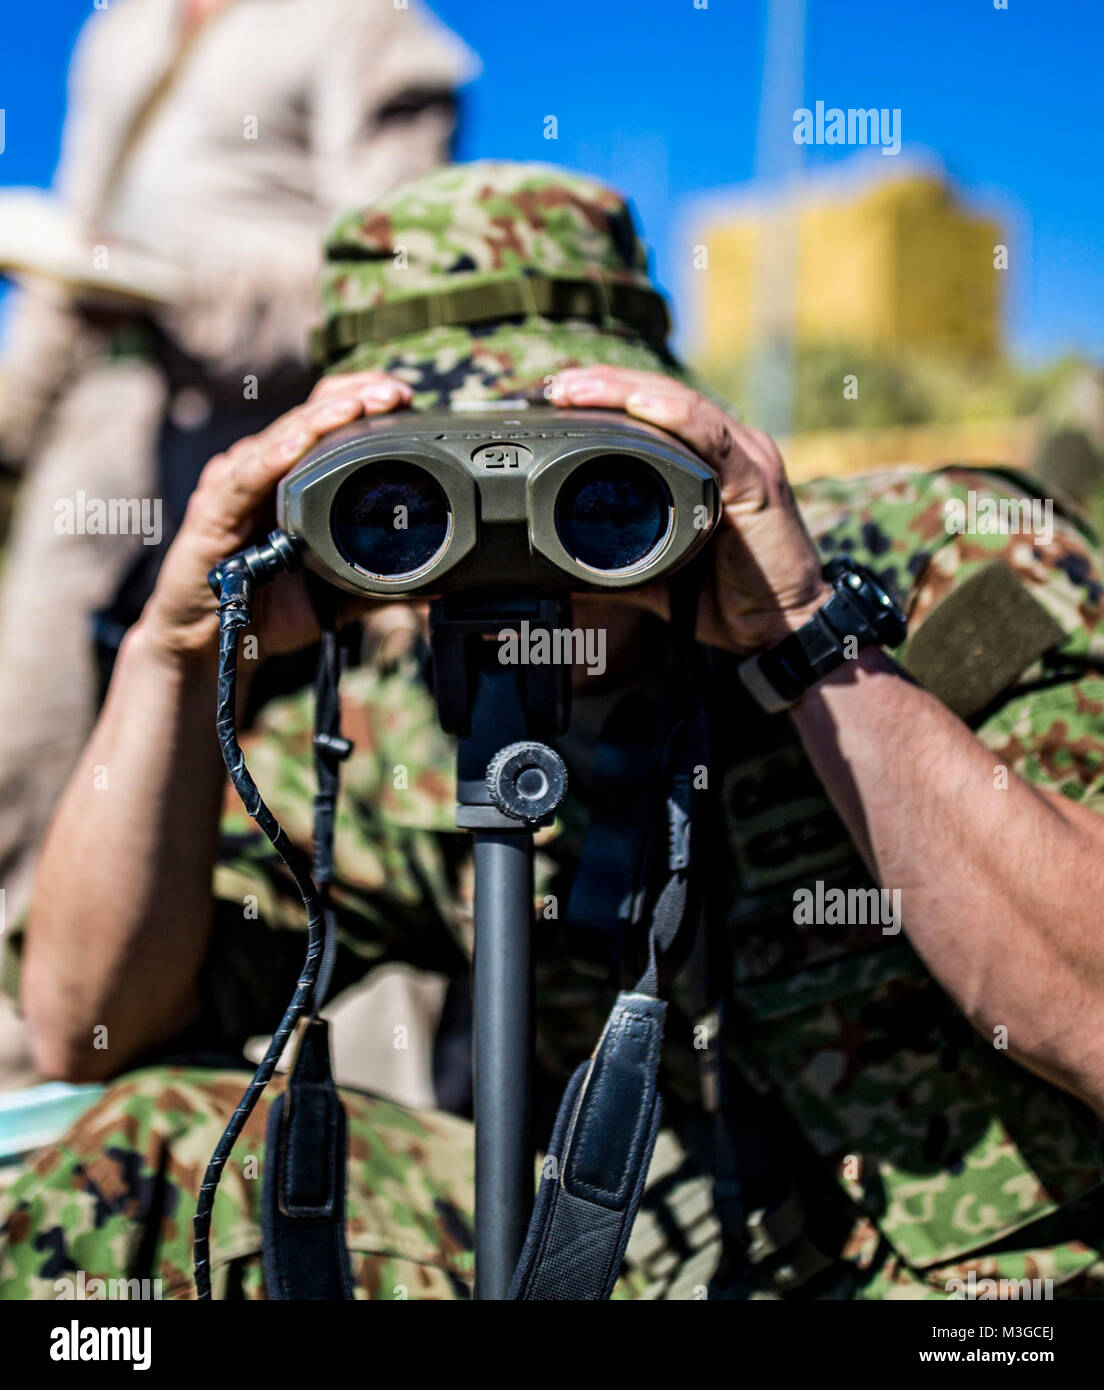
(370, 386)
(339, 406)
(254, 466)
(738, 455)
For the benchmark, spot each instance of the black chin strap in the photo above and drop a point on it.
(605, 1131)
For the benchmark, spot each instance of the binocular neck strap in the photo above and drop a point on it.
(330, 751)
(303, 1202)
(597, 1163)
(606, 1128)
(605, 1131)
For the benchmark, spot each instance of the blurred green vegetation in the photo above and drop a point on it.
(902, 390)
(1065, 398)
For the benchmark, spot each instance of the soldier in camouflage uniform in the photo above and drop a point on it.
(916, 1149)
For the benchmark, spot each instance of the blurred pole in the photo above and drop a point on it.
(778, 163)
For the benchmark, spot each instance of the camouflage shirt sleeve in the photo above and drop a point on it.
(930, 536)
(943, 1145)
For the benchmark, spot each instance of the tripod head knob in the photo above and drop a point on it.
(526, 780)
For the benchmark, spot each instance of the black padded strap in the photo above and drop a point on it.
(303, 1202)
(606, 1126)
(607, 1123)
(602, 1148)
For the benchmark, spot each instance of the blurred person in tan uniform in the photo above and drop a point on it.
(165, 292)
(206, 145)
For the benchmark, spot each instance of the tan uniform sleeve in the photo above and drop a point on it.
(382, 108)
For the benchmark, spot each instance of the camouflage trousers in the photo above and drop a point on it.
(114, 1200)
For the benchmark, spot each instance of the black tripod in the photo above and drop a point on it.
(508, 784)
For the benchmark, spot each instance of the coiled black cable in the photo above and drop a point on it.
(235, 590)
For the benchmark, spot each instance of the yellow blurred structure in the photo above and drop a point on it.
(1013, 443)
(897, 264)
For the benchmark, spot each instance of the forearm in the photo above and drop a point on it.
(122, 908)
(1000, 881)
(122, 905)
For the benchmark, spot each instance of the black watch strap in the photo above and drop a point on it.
(859, 614)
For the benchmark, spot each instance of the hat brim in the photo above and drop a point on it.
(503, 360)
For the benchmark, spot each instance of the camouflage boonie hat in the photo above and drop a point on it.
(479, 281)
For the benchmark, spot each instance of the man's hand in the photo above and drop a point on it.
(767, 577)
(226, 508)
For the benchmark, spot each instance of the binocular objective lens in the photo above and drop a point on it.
(612, 512)
(390, 518)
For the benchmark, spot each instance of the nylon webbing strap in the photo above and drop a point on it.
(596, 299)
(330, 751)
(606, 1127)
(303, 1201)
(603, 1141)
(606, 890)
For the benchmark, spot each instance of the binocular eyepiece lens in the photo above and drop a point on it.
(612, 512)
(390, 518)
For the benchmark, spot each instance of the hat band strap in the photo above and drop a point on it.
(606, 303)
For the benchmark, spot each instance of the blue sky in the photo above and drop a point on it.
(663, 99)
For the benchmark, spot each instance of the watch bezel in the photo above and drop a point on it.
(885, 615)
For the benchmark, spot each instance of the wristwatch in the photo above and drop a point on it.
(859, 614)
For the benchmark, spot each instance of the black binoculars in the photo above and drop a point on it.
(537, 498)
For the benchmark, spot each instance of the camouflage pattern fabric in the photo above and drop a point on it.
(918, 1151)
(473, 225)
(116, 1198)
(948, 1149)
(944, 1155)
